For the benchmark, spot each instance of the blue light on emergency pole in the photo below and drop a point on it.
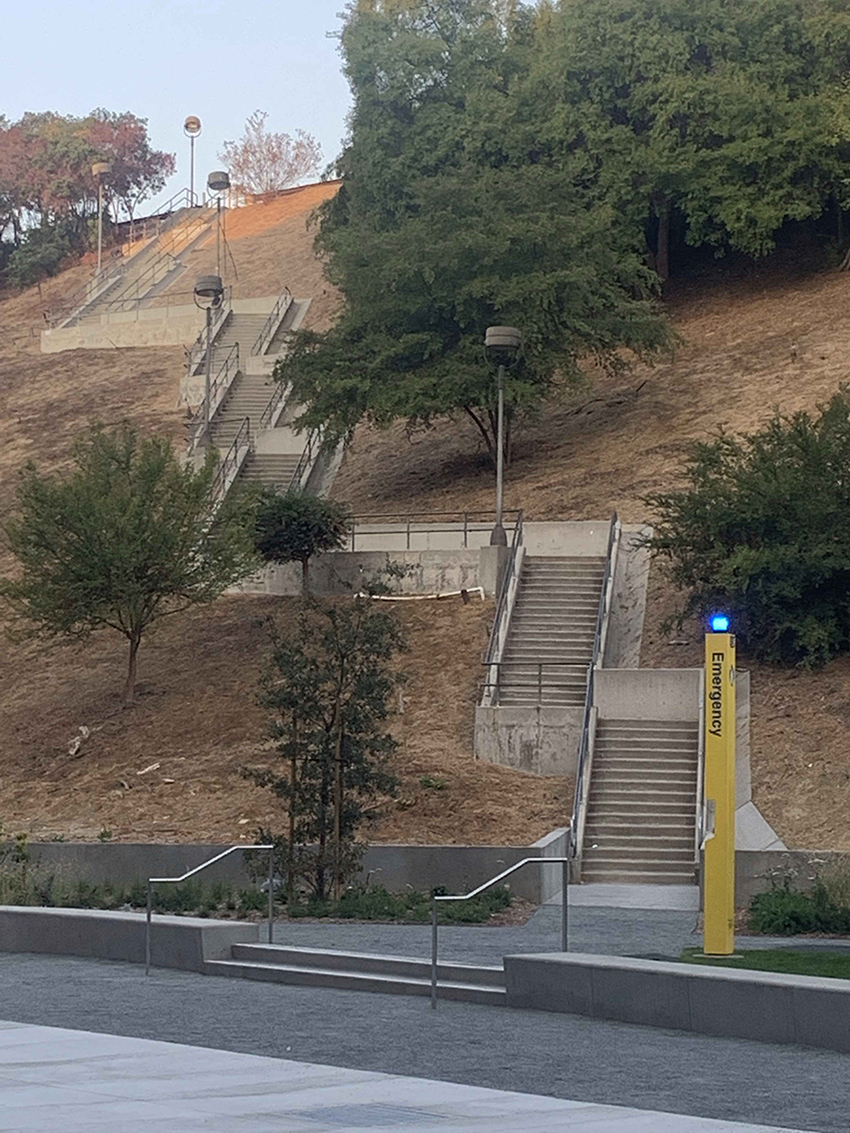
(719, 623)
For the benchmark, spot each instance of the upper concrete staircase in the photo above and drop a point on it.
(550, 640)
(641, 819)
(272, 470)
(398, 975)
(247, 396)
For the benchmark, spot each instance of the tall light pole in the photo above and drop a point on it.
(502, 345)
(208, 293)
(99, 171)
(192, 128)
(218, 182)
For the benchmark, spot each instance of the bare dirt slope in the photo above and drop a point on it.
(608, 445)
(196, 717)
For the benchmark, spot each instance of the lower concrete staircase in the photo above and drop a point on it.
(399, 975)
(553, 624)
(272, 470)
(641, 819)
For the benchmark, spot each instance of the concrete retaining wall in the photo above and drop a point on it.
(429, 572)
(458, 868)
(541, 740)
(176, 942)
(764, 1006)
(754, 868)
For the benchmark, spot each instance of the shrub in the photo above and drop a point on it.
(761, 530)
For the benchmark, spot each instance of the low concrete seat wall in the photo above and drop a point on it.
(176, 942)
(768, 1007)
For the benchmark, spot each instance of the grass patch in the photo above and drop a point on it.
(833, 965)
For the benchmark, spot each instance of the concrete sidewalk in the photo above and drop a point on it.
(83, 1082)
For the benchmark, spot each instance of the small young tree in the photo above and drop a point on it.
(328, 690)
(761, 530)
(262, 162)
(127, 538)
(295, 526)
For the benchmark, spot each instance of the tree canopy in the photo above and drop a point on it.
(262, 161)
(760, 531)
(452, 217)
(295, 526)
(126, 538)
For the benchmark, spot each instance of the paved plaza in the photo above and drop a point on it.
(93, 1083)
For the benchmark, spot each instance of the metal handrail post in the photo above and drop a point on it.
(565, 893)
(148, 929)
(433, 953)
(271, 894)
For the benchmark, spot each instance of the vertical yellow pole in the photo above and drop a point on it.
(719, 932)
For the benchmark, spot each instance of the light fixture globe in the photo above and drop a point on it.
(506, 340)
(101, 168)
(192, 126)
(210, 289)
(218, 181)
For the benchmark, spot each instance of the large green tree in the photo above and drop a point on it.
(126, 538)
(726, 118)
(452, 218)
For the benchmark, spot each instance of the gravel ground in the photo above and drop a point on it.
(558, 1055)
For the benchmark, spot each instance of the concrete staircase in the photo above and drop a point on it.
(355, 971)
(247, 396)
(642, 803)
(553, 623)
(273, 470)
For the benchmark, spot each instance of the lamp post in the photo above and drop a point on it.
(100, 170)
(192, 128)
(502, 345)
(219, 182)
(208, 293)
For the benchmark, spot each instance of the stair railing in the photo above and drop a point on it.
(588, 726)
(191, 873)
(501, 621)
(306, 462)
(565, 887)
(232, 461)
(267, 417)
(219, 385)
(284, 302)
(166, 260)
(198, 349)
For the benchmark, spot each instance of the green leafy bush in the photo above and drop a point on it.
(414, 906)
(783, 911)
(761, 530)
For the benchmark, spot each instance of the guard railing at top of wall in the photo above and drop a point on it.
(191, 873)
(196, 352)
(109, 277)
(501, 620)
(585, 751)
(463, 523)
(222, 377)
(231, 462)
(284, 302)
(565, 885)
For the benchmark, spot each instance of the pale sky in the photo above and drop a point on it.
(164, 60)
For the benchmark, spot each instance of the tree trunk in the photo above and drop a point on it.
(662, 258)
(305, 577)
(130, 686)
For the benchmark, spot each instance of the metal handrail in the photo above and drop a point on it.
(178, 241)
(231, 460)
(198, 348)
(565, 887)
(699, 831)
(219, 384)
(503, 608)
(278, 394)
(191, 873)
(271, 324)
(428, 518)
(582, 787)
(306, 461)
(499, 683)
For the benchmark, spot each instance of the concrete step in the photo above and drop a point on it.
(395, 975)
(608, 779)
(617, 875)
(649, 725)
(639, 842)
(552, 698)
(648, 741)
(646, 795)
(615, 823)
(651, 857)
(268, 469)
(640, 761)
(604, 809)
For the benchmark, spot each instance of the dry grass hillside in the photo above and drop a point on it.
(196, 718)
(608, 445)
